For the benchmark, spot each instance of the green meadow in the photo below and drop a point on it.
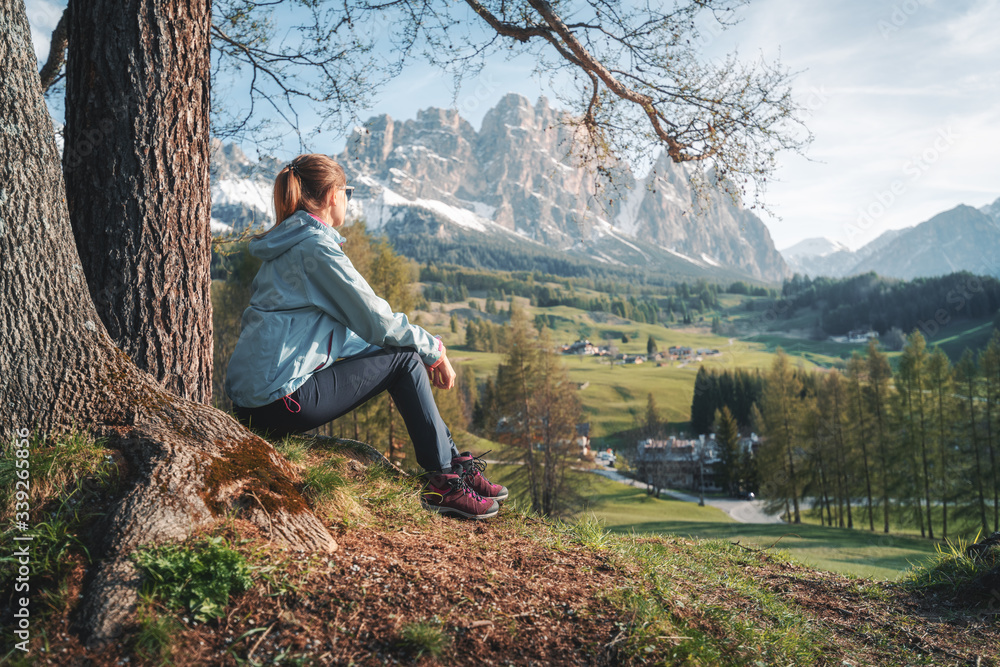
(614, 401)
(624, 509)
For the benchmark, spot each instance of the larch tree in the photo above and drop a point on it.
(136, 163)
(781, 415)
(830, 401)
(939, 377)
(966, 379)
(879, 391)
(856, 372)
(536, 411)
(989, 363)
(913, 375)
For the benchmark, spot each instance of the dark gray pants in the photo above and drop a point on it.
(338, 389)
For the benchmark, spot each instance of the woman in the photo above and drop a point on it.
(316, 341)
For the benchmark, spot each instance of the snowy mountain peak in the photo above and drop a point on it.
(813, 247)
(436, 177)
(992, 211)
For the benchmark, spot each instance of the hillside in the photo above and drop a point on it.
(406, 586)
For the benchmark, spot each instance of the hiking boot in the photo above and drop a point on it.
(472, 468)
(448, 493)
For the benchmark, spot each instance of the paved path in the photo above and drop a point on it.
(743, 511)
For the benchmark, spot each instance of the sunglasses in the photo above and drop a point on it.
(349, 190)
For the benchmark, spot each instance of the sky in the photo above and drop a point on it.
(902, 97)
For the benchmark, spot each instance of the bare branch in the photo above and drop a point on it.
(57, 53)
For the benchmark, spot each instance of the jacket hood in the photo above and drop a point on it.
(294, 229)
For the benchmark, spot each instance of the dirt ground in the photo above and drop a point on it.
(501, 597)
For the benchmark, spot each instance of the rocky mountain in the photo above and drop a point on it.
(819, 256)
(241, 189)
(962, 239)
(437, 176)
(992, 210)
(441, 189)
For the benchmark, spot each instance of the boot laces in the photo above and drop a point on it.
(478, 463)
(462, 485)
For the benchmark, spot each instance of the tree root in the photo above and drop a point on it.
(189, 465)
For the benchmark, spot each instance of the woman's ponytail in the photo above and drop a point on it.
(287, 193)
(304, 184)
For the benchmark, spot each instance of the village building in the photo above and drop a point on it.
(679, 464)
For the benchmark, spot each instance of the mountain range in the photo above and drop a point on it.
(961, 239)
(509, 196)
(441, 190)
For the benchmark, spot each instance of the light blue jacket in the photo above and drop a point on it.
(309, 307)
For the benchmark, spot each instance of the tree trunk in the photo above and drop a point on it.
(974, 439)
(864, 458)
(136, 163)
(186, 463)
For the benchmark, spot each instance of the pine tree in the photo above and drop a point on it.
(651, 348)
(651, 427)
(727, 436)
(702, 405)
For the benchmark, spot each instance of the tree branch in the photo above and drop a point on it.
(57, 53)
(591, 64)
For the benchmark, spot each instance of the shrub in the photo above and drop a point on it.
(198, 578)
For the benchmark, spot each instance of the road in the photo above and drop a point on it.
(743, 511)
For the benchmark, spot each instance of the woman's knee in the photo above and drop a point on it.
(410, 359)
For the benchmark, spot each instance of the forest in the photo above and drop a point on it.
(870, 300)
(916, 446)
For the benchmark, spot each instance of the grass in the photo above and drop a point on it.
(655, 596)
(902, 521)
(423, 637)
(153, 642)
(823, 353)
(955, 338)
(323, 479)
(623, 509)
(659, 611)
(954, 570)
(68, 479)
(840, 550)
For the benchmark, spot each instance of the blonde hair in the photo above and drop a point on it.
(304, 185)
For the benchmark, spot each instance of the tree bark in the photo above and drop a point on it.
(136, 162)
(59, 369)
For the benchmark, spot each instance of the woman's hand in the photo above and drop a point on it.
(443, 375)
